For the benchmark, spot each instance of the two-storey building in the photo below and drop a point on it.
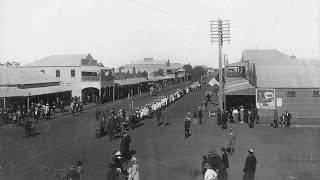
(79, 72)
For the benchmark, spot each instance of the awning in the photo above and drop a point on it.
(17, 92)
(242, 88)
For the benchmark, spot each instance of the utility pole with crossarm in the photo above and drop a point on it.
(220, 32)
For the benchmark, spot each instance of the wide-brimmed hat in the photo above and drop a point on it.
(207, 166)
(251, 151)
(118, 153)
(118, 170)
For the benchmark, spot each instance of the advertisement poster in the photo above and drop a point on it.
(279, 102)
(265, 98)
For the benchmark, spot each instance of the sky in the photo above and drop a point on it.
(117, 32)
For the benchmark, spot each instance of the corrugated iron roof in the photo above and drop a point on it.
(14, 76)
(61, 60)
(264, 55)
(16, 92)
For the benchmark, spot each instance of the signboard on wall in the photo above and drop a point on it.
(248, 91)
(265, 98)
(279, 102)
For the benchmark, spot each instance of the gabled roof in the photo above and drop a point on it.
(264, 55)
(150, 61)
(61, 60)
(14, 76)
(288, 74)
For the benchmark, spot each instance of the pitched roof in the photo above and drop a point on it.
(288, 74)
(240, 63)
(14, 76)
(264, 55)
(150, 61)
(61, 60)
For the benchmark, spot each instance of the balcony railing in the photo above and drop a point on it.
(235, 74)
(90, 78)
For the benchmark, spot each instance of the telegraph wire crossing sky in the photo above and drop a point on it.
(118, 32)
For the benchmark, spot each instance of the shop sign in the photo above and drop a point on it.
(249, 91)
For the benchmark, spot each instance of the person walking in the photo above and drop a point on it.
(288, 119)
(275, 119)
(47, 112)
(224, 158)
(250, 166)
(241, 112)
(80, 170)
(73, 106)
(187, 125)
(231, 141)
(135, 169)
(200, 114)
(112, 173)
(195, 115)
(219, 116)
(210, 173)
(224, 119)
(158, 114)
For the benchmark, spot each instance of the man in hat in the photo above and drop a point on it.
(127, 141)
(225, 157)
(275, 118)
(80, 170)
(118, 160)
(158, 114)
(112, 173)
(288, 119)
(187, 124)
(224, 119)
(250, 166)
(231, 141)
(210, 173)
(200, 115)
(112, 127)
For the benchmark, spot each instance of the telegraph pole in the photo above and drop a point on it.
(220, 32)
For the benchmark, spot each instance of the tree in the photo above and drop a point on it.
(10, 64)
(160, 72)
(187, 68)
(128, 75)
(197, 72)
(144, 74)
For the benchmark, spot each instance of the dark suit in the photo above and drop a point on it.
(224, 120)
(249, 168)
(200, 116)
(225, 160)
(288, 118)
(187, 124)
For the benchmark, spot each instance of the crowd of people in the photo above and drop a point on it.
(155, 108)
(285, 119)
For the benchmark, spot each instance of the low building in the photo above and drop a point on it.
(269, 79)
(79, 72)
(157, 68)
(21, 86)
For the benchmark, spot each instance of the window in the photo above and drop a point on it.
(43, 71)
(57, 73)
(73, 73)
(316, 93)
(291, 94)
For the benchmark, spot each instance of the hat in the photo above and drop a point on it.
(118, 170)
(118, 153)
(207, 166)
(79, 163)
(135, 160)
(223, 149)
(251, 151)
